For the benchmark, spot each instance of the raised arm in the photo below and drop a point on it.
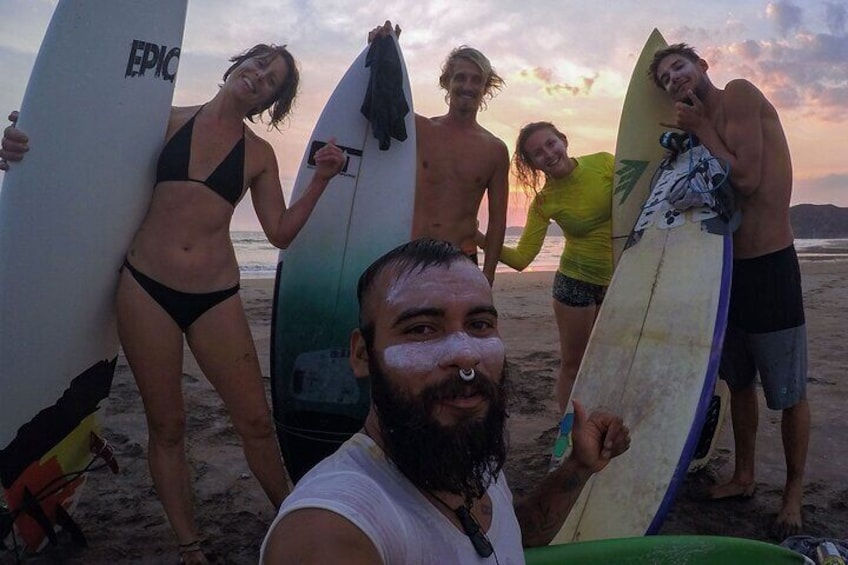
(741, 146)
(279, 223)
(530, 242)
(597, 439)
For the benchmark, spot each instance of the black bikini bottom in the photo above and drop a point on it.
(183, 307)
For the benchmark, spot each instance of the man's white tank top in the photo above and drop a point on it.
(360, 484)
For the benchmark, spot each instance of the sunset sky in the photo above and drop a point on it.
(566, 61)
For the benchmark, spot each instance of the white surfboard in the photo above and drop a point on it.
(96, 110)
(365, 212)
(653, 358)
(645, 110)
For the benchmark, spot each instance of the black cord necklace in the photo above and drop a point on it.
(471, 527)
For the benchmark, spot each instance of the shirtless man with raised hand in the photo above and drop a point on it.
(766, 332)
(459, 161)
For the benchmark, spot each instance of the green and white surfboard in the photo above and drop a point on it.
(666, 550)
(365, 212)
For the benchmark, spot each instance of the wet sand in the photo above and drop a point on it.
(124, 522)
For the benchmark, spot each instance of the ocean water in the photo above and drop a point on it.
(258, 259)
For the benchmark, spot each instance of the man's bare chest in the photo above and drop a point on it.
(456, 163)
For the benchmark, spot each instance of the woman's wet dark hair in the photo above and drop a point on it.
(279, 106)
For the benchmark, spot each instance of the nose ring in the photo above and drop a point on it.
(467, 375)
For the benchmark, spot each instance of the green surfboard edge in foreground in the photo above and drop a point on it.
(665, 550)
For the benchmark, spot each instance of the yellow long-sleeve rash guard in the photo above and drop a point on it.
(581, 205)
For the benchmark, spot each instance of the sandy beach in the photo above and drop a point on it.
(124, 522)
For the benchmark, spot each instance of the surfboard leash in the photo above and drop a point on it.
(32, 502)
(678, 144)
(694, 168)
(100, 449)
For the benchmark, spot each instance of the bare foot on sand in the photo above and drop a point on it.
(788, 521)
(732, 490)
(192, 554)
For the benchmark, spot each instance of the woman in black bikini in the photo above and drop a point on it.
(181, 276)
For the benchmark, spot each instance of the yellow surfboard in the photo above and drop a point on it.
(636, 157)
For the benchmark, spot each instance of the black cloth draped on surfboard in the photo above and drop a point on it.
(385, 103)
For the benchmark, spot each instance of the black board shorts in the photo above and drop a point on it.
(766, 330)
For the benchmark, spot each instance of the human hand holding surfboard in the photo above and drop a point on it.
(14, 143)
(384, 30)
(329, 161)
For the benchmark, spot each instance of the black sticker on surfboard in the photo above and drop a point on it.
(353, 158)
(160, 60)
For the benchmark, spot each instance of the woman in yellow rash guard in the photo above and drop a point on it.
(577, 195)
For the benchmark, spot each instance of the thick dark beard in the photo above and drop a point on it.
(463, 458)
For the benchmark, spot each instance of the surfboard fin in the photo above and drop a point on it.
(32, 506)
(64, 520)
(6, 522)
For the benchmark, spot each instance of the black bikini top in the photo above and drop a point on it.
(226, 180)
